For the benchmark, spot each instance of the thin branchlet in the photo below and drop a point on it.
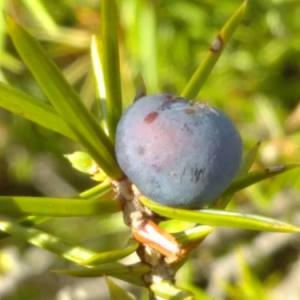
(138, 217)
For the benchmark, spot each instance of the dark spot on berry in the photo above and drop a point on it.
(151, 117)
(141, 150)
(173, 103)
(196, 174)
(156, 167)
(166, 104)
(189, 111)
(186, 128)
(174, 174)
(182, 174)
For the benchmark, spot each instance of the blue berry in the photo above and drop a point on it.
(178, 153)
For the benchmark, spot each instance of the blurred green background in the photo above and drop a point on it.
(256, 82)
